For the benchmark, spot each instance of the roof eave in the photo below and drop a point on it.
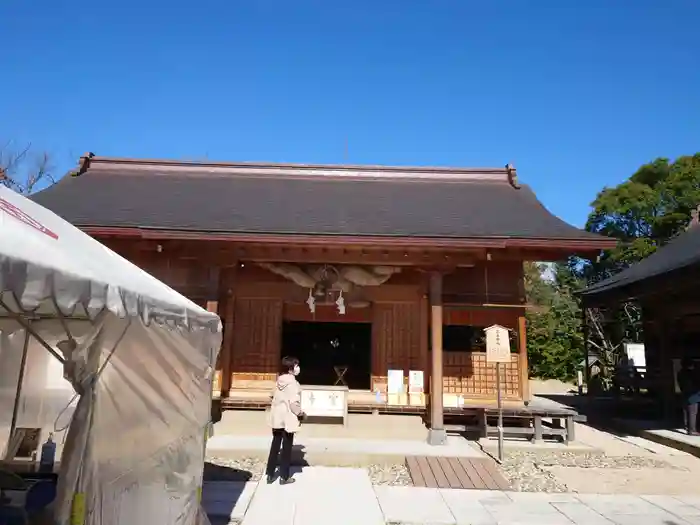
(576, 245)
(657, 285)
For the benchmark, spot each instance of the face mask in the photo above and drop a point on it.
(296, 370)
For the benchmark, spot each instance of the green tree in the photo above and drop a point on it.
(554, 336)
(644, 212)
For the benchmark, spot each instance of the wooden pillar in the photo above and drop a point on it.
(228, 321)
(213, 306)
(424, 348)
(523, 362)
(586, 347)
(668, 381)
(437, 434)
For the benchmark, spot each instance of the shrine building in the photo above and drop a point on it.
(355, 270)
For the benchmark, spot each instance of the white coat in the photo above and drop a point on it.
(286, 403)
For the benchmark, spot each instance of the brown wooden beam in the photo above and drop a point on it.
(228, 283)
(523, 361)
(424, 343)
(216, 253)
(437, 434)
(339, 253)
(593, 244)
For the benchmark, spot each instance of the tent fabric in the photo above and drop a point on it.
(681, 252)
(139, 355)
(45, 260)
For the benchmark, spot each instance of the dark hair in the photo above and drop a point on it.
(288, 364)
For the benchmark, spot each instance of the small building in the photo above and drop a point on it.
(667, 286)
(357, 270)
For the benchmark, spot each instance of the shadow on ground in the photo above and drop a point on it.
(214, 472)
(621, 416)
(224, 486)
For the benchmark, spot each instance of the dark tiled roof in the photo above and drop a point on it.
(682, 252)
(289, 199)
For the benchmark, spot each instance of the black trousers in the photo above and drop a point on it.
(691, 417)
(284, 439)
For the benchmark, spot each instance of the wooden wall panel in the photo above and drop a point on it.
(484, 317)
(192, 278)
(396, 336)
(257, 340)
(486, 282)
(468, 374)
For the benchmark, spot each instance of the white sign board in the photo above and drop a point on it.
(636, 355)
(415, 382)
(497, 344)
(317, 401)
(395, 382)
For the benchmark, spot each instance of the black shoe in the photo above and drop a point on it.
(287, 481)
(270, 480)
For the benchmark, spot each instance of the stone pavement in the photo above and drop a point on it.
(340, 496)
(321, 495)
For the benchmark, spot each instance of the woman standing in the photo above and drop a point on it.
(285, 413)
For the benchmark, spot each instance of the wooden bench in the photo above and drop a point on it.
(521, 421)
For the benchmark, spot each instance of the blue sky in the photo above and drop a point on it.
(576, 94)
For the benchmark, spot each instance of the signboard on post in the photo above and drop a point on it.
(497, 352)
(497, 344)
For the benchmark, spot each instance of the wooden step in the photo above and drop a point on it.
(456, 473)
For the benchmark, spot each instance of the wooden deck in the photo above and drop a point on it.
(456, 473)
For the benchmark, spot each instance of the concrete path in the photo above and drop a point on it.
(455, 446)
(342, 496)
(412, 505)
(321, 495)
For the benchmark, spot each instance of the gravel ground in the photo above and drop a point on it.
(396, 475)
(215, 520)
(529, 472)
(252, 469)
(526, 471)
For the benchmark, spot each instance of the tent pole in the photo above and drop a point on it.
(27, 326)
(18, 392)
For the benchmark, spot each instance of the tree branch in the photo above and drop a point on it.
(22, 171)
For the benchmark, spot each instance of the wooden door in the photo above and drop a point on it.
(257, 340)
(395, 340)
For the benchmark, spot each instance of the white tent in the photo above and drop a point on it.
(139, 355)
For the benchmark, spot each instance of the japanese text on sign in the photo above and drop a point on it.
(497, 344)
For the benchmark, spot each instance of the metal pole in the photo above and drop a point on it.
(500, 412)
(18, 392)
(586, 349)
(28, 327)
